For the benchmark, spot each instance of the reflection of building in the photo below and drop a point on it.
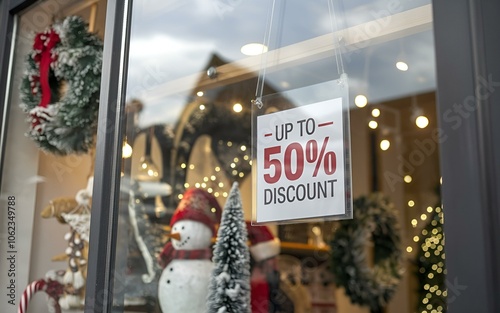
(212, 137)
(209, 147)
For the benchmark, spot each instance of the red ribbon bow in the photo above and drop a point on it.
(43, 45)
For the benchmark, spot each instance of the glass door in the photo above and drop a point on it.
(191, 78)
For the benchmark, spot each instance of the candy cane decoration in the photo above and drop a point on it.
(28, 293)
(51, 287)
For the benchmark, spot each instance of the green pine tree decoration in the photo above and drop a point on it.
(229, 289)
(431, 266)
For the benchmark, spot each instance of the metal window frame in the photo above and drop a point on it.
(106, 191)
(8, 24)
(466, 47)
(466, 43)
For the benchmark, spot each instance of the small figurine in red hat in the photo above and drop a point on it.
(264, 248)
(263, 244)
(186, 258)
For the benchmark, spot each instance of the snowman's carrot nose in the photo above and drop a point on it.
(175, 236)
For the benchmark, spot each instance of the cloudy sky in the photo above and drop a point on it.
(174, 39)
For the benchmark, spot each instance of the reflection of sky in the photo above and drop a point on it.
(172, 39)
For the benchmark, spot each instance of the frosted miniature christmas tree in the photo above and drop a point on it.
(229, 289)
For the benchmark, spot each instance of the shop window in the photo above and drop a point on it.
(191, 79)
(190, 88)
(46, 185)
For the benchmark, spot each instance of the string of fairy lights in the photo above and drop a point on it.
(428, 239)
(214, 182)
(430, 257)
(431, 263)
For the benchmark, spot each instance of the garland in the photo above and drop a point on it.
(65, 56)
(375, 219)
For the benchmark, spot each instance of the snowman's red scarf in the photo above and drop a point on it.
(169, 253)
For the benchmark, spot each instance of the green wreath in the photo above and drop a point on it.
(60, 89)
(375, 219)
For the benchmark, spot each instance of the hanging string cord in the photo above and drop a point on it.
(267, 39)
(263, 63)
(336, 41)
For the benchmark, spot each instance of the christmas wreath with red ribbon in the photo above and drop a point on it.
(60, 88)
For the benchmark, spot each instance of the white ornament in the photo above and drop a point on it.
(83, 197)
(79, 280)
(80, 223)
(68, 277)
(70, 301)
(183, 285)
(67, 235)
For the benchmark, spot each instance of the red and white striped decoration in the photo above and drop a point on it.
(51, 287)
(28, 293)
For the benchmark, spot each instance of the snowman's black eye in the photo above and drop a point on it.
(182, 227)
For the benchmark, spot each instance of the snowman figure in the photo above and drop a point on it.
(186, 258)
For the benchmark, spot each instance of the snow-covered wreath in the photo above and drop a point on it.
(60, 88)
(374, 221)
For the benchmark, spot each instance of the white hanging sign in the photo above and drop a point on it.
(300, 163)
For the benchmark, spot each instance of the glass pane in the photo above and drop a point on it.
(189, 93)
(39, 187)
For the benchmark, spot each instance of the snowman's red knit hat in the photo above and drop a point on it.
(263, 244)
(198, 205)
